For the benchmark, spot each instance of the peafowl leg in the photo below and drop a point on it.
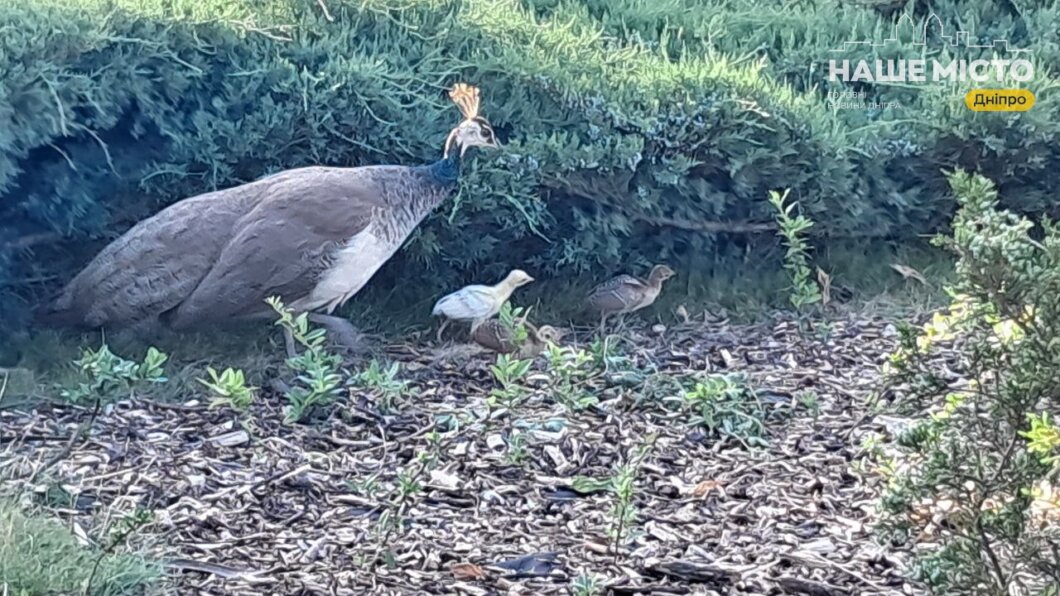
(342, 332)
(288, 342)
(135, 337)
(603, 320)
(438, 337)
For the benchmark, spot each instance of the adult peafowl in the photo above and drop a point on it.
(313, 236)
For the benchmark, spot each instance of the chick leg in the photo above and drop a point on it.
(438, 336)
(342, 332)
(475, 325)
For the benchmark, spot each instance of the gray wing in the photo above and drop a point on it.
(617, 293)
(153, 266)
(284, 244)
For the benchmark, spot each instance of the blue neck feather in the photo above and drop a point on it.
(447, 169)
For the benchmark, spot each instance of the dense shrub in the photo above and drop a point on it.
(974, 484)
(635, 131)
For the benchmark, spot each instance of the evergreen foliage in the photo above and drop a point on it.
(636, 131)
(973, 482)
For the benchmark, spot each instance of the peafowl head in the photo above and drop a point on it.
(474, 130)
(659, 274)
(517, 278)
(549, 334)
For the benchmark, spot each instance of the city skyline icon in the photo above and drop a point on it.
(961, 39)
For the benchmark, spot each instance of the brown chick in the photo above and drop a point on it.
(496, 337)
(625, 293)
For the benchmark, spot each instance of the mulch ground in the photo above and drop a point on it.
(246, 504)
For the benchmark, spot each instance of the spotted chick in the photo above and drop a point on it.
(626, 294)
(477, 303)
(495, 336)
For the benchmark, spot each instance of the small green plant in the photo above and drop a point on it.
(569, 368)
(872, 454)
(368, 487)
(409, 488)
(509, 373)
(318, 379)
(517, 451)
(586, 585)
(56, 496)
(727, 406)
(514, 321)
(792, 229)
(809, 401)
(605, 356)
(229, 388)
(510, 393)
(117, 536)
(111, 377)
(623, 512)
(384, 382)
(823, 330)
(622, 484)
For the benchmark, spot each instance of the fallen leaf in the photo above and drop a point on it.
(909, 273)
(727, 358)
(467, 571)
(682, 312)
(705, 488)
(586, 485)
(444, 480)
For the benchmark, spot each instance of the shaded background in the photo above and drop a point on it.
(636, 131)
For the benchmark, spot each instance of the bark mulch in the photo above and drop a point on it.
(246, 504)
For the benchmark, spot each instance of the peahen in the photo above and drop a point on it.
(313, 236)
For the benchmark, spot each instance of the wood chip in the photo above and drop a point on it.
(298, 508)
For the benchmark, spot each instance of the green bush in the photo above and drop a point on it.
(973, 483)
(635, 132)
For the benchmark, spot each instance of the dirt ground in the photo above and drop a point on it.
(247, 504)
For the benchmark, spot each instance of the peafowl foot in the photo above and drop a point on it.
(342, 333)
